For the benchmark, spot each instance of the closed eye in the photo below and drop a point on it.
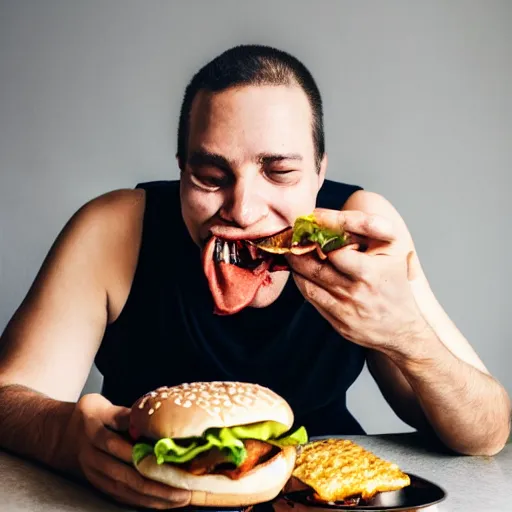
(283, 176)
(207, 182)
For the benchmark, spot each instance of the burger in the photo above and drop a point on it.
(237, 269)
(229, 443)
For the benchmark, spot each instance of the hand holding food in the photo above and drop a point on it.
(364, 294)
(237, 269)
(229, 443)
(104, 456)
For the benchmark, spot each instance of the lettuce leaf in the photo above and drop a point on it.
(261, 431)
(297, 437)
(307, 229)
(141, 450)
(229, 440)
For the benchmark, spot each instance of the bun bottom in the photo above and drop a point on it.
(261, 484)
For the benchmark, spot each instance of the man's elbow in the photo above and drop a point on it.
(488, 448)
(491, 441)
(488, 443)
(503, 437)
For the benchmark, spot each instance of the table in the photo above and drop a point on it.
(472, 483)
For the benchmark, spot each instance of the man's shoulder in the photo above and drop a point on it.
(112, 205)
(334, 194)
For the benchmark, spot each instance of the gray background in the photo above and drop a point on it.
(418, 102)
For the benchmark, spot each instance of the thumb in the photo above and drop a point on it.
(120, 418)
(116, 417)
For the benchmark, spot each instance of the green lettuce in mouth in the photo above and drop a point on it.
(303, 237)
(227, 439)
(306, 229)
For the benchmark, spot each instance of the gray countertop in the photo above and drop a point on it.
(472, 483)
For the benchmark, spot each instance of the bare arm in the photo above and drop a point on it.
(33, 425)
(49, 345)
(468, 409)
(438, 381)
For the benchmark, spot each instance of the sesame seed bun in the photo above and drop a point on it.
(188, 410)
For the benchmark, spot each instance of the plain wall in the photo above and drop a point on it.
(418, 107)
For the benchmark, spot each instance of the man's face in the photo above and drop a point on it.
(250, 168)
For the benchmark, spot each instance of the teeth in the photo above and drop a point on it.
(225, 252)
(233, 255)
(218, 250)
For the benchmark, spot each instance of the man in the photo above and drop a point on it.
(124, 285)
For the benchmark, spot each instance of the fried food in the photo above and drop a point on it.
(337, 469)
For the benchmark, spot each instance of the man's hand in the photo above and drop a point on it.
(363, 290)
(105, 457)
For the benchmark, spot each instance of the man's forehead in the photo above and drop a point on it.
(272, 119)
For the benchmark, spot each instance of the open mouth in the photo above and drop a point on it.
(237, 269)
(246, 254)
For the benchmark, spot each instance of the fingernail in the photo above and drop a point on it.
(180, 497)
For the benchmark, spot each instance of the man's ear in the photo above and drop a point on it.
(322, 171)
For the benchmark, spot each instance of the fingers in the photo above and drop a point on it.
(357, 265)
(117, 418)
(96, 406)
(111, 443)
(120, 492)
(316, 294)
(358, 222)
(330, 307)
(125, 483)
(346, 266)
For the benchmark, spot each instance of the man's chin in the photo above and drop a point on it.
(269, 293)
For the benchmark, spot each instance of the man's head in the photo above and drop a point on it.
(250, 147)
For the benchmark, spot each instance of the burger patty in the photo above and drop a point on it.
(217, 462)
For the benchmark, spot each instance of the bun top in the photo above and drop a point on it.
(189, 409)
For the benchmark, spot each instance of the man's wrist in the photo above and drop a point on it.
(65, 453)
(417, 349)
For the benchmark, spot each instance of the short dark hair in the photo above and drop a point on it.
(252, 65)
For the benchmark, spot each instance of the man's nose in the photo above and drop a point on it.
(245, 205)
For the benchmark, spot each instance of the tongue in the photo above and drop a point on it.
(233, 288)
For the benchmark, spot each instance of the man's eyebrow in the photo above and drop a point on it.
(199, 157)
(269, 158)
(203, 157)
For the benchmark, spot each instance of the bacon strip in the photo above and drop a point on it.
(215, 461)
(257, 451)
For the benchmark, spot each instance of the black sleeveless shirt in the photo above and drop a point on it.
(167, 333)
